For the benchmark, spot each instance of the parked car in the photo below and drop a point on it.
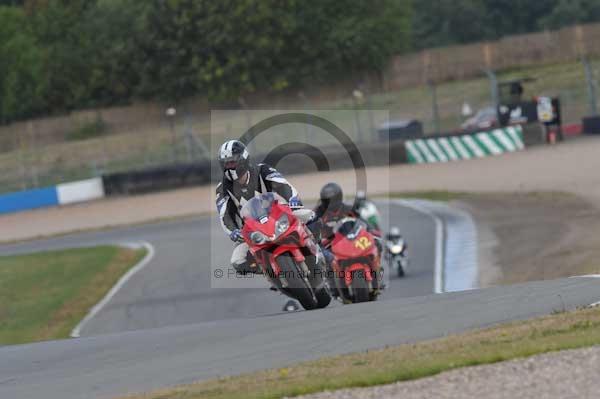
(485, 118)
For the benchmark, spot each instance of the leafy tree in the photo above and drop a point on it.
(443, 23)
(85, 53)
(21, 83)
(213, 48)
(11, 3)
(366, 34)
(59, 28)
(463, 21)
(222, 49)
(113, 30)
(509, 17)
(570, 12)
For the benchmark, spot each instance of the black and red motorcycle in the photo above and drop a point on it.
(285, 250)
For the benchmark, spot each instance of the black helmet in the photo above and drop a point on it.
(234, 159)
(331, 196)
(360, 199)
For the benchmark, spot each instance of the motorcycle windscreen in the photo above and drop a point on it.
(351, 228)
(259, 207)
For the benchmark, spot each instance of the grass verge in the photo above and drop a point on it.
(567, 330)
(44, 295)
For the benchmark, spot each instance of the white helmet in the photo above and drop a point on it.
(234, 159)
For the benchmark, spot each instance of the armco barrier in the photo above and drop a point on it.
(428, 149)
(291, 162)
(67, 193)
(157, 179)
(79, 191)
(468, 146)
(29, 199)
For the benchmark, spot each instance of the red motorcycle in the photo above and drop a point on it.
(285, 250)
(357, 263)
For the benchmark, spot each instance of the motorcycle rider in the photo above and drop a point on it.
(367, 210)
(396, 247)
(242, 181)
(331, 209)
(394, 234)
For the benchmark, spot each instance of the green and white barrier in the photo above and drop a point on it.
(469, 146)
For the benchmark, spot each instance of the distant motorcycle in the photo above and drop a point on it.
(285, 250)
(356, 263)
(395, 254)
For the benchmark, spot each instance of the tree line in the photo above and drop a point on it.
(446, 22)
(60, 55)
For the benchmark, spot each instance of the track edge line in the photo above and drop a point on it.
(76, 332)
(438, 279)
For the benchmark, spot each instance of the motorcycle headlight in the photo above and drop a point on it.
(281, 225)
(396, 249)
(258, 238)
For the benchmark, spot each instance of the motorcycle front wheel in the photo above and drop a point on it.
(399, 268)
(360, 287)
(323, 298)
(297, 285)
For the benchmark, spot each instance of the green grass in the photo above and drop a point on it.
(564, 330)
(44, 295)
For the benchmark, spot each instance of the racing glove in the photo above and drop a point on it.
(236, 236)
(295, 203)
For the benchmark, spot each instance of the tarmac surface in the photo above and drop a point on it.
(166, 326)
(105, 366)
(175, 287)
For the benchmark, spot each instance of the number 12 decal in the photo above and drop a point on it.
(362, 243)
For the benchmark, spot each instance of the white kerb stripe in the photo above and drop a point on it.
(79, 191)
(425, 150)
(432, 143)
(410, 146)
(460, 148)
(468, 140)
(500, 135)
(515, 137)
(489, 143)
(448, 148)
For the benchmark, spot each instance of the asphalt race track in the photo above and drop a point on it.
(107, 365)
(175, 287)
(216, 332)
